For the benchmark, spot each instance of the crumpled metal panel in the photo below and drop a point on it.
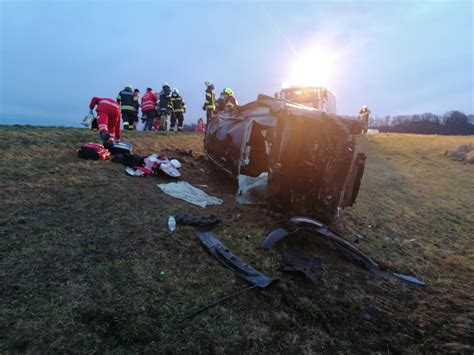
(313, 163)
(233, 262)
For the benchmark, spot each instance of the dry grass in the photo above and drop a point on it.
(87, 264)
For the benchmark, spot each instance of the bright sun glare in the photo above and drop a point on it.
(312, 67)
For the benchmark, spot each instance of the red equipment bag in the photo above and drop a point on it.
(93, 151)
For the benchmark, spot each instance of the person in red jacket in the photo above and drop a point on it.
(149, 108)
(108, 118)
(200, 125)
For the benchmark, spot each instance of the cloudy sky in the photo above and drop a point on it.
(394, 56)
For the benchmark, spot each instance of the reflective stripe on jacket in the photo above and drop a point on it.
(127, 100)
(99, 101)
(210, 99)
(177, 104)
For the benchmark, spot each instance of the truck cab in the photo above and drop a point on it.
(317, 97)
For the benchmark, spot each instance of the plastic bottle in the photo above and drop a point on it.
(171, 223)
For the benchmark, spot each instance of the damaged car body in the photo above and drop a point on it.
(307, 160)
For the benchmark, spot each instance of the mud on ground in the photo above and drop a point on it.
(88, 264)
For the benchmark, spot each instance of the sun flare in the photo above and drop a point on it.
(312, 67)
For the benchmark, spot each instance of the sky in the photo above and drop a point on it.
(396, 57)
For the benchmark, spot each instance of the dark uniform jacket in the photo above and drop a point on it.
(127, 100)
(177, 103)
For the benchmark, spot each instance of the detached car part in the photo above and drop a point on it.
(311, 157)
(185, 217)
(255, 278)
(297, 224)
(233, 262)
(299, 260)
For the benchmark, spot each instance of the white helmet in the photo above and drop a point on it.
(364, 107)
(208, 83)
(165, 84)
(129, 86)
(175, 90)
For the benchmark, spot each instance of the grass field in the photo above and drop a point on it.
(88, 265)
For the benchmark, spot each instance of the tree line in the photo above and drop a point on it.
(451, 123)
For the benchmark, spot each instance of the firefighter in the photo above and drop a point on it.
(128, 105)
(137, 94)
(229, 99)
(210, 103)
(149, 108)
(364, 116)
(178, 108)
(108, 118)
(164, 106)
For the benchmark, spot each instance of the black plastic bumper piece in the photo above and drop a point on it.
(233, 262)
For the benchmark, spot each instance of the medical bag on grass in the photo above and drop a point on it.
(121, 148)
(93, 151)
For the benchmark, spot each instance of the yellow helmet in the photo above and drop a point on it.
(229, 91)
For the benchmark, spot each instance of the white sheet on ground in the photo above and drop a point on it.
(189, 193)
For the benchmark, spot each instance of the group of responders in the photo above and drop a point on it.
(164, 110)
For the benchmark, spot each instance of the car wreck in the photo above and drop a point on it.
(297, 159)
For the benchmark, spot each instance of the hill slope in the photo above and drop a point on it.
(87, 262)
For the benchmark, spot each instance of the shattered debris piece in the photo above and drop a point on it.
(408, 278)
(189, 193)
(297, 224)
(184, 217)
(233, 262)
(171, 223)
(366, 316)
(298, 260)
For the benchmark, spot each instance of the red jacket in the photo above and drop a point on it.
(149, 101)
(104, 104)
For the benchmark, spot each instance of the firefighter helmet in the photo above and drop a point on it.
(208, 83)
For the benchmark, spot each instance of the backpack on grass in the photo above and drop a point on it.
(93, 151)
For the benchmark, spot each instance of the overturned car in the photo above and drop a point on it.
(302, 161)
